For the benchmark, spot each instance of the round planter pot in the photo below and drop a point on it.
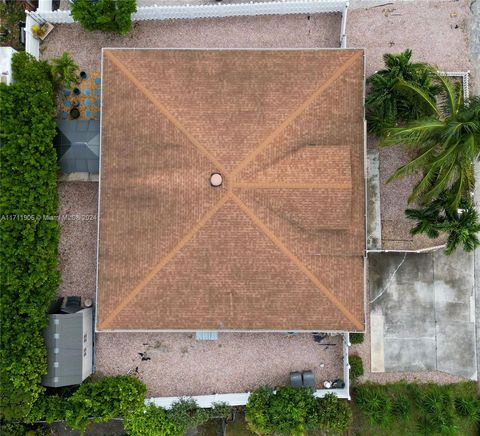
(76, 91)
(83, 75)
(74, 113)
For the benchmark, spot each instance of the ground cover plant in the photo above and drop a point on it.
(28, 238)
(443, 134)
(294, 411)
(106, 15)
(419, 409)
(356, 367)
(356, 338)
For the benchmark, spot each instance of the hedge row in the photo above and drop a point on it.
(28, 242)
(106, 15)
(293, 411)
(122, 397)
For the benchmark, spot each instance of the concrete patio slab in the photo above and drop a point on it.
(422, 313)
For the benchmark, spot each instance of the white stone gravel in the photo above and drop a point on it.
(303, 31)
(78, 238)
(236, 362)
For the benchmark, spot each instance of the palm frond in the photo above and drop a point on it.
(413, 89)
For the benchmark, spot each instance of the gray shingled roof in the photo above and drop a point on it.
(78, 145)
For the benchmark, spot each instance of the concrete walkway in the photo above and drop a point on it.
(422, 313)
(475, 90)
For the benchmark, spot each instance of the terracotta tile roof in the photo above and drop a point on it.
(279, 246)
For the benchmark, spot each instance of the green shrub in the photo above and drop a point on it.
(401, 406)
(356, 338)
(356, 367)
(374, 403)
(106, 15)
(150, 421)
(468, 407)
(287, 410)
(28, 243)
(183, 415)
(103, 400)
(333, 415)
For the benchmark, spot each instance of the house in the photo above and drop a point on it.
(232, 190)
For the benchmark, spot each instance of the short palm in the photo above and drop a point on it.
(446, 144)
(461, 225)
(386, 105)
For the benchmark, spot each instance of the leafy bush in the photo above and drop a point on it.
(150, 421)
(292, 411)
(333, 414)
(437, 409)
(356, 367)
(356, 338)
(28, 243)
(184, 415)
(106, 15)
(103, 400)
(468, 407)
(285, 410)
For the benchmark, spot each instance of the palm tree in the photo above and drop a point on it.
(386, 105)
(64, 69)
(461, 225)
(446, 144)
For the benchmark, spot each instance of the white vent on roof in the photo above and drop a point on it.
(216, 179)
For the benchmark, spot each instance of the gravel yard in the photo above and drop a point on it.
(437, 32)
(319, 30)
(180, 365)
(78, 238)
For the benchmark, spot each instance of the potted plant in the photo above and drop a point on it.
(38, 30)
(74, 113)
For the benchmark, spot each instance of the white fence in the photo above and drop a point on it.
(214, 10)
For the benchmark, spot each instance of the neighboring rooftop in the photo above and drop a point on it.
(279, 244)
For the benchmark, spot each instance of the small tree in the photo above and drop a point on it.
(105, 15)
(461, 225)
(64, 70)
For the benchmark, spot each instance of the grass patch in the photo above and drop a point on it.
(404, 409)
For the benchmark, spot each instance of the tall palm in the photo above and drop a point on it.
(446, 144)
(386, 105)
